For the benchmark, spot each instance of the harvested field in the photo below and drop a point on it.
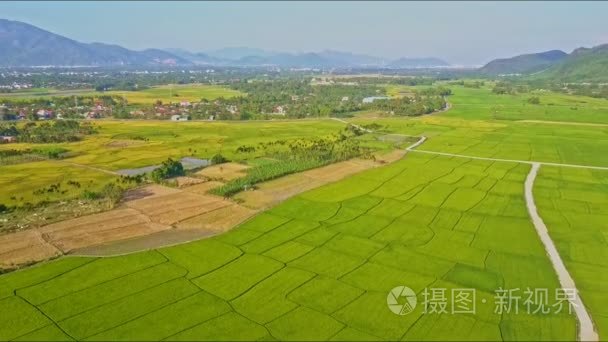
(203, 188)
(148, 191)
(24, 247)
(224, 172)
(145, 211)
(177, 207)
(217, 221)
(183, 182)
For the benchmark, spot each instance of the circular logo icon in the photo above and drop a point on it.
(401, 300)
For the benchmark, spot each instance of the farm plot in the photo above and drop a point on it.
(317, 267)
(152, 213)
(574, 206)
(543, 142)
(166, 93)
(141, 144)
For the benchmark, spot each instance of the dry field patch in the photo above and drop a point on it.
(225, 172)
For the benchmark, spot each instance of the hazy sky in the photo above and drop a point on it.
(465, 33)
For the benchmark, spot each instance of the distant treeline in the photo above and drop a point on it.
(48, 132)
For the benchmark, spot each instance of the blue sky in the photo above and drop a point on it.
(465, 33)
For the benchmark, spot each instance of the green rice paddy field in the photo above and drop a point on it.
(320, 265)
(574, 205)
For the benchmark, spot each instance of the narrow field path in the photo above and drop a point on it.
(354, 125)
(531, 162)
(564, 123)
(585, 324)
(87, 167)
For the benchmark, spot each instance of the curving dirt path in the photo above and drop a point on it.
(586, 329)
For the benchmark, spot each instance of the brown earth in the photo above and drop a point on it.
(145, 211)
(224, 172)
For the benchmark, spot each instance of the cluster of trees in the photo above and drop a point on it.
(125, 78)
(48, 132)
(407, 106)
(299, 98)
(168, 169)
(504, 88)
(469, 84)
(70, 107)
(435, 91)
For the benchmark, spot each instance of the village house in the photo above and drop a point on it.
(178, 117)
(232, 109)
(280, 110)
(5, 139)
(44, 114)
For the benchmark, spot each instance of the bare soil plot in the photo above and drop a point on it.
(98, 228)
(147, 192)
(174, 208)
(203, 188)
(219, 220)
(145, 211)
(225, 172)
(183, 182)
(24, 247)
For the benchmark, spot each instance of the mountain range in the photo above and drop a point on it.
(22, 44)
(581, 65)
(524, 64)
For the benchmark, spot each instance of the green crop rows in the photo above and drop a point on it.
(574, 206)
(320, 266)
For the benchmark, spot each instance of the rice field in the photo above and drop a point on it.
(133, 144)
(574, 206)
(166, 93)
(422, 222)
(471, 103)
(528, 141)
(320, 265)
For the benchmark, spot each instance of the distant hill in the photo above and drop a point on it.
(524, 64)
(236, 53)
(582, 65)
(22, 44)
(198, 58)
(430, 62)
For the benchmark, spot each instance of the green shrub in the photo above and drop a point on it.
(218, 159)
(90, 195)
(169, 168)
(51, 152)
(112, 192)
